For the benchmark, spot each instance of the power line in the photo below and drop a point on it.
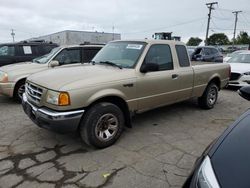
(210, 7)
(170, 26)
(245, 18)
(224, 19)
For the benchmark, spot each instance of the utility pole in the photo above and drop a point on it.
(210, 7)
(12, 34)
(113, 32)
(235, 23)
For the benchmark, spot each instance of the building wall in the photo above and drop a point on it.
(78, 37)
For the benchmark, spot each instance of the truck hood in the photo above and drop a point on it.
(24, 66)
(75, 77)
(240, 67)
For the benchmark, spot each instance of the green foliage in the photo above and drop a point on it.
(218, 39)
(194, 41)
(242, 38)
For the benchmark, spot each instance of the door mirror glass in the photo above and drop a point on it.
(149, 67)
(54, 63)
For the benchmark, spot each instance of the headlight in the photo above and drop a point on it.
(3, 77)
(206, 177)
(58, 98)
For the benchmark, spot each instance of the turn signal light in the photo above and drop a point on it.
(64, 99)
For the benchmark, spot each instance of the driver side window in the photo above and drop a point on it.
(68, 56)
(206, 51)
(160, 54)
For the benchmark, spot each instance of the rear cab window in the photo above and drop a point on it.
(182, 55)
(89, 53)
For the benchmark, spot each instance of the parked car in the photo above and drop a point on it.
(232, 49)
(125, 78)
(190, 50)
(240, 69)
(14, 76)
(11, 53)
(230, 55)
(208, 54)
(225, 163)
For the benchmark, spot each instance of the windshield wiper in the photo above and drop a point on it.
(110, 63)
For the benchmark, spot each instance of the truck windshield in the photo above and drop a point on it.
(45, 58)
(122, 53)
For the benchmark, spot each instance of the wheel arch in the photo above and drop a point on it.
(18, 82)
(117, 100)
(216, 80)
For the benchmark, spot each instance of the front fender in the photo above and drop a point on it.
(105, 93)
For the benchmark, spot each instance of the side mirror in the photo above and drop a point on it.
(245, 92)
(149, 67)
(54, 63)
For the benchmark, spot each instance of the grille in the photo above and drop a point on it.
(235, 76)
(34, 92)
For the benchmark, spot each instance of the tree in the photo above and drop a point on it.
(194, 41)
(242, 38)
(218, 39)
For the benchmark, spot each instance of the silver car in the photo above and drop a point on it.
(240, 69)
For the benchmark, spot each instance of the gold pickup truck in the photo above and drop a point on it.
(124, 78)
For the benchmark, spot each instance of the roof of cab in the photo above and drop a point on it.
(83, 46)
(153, 41)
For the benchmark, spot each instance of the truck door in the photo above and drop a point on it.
(185, 74)
(156, 88)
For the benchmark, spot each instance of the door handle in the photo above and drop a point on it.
(175, 76)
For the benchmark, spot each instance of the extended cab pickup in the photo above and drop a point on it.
(124, 78)
(12, 77)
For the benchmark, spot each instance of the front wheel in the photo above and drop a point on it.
(209, 97)
(19, 90)
(102, 125)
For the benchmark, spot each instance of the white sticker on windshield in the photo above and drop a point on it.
(134, 46)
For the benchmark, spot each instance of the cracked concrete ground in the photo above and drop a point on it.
(159, 151)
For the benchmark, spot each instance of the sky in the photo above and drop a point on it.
(133, 19)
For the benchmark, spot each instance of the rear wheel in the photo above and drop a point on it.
(102, 125)
(209, 97)
(19, 90)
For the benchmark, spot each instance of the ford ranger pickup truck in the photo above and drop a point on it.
(124, 78)
(12, 77)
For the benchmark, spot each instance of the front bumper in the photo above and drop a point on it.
(242, 81)
(49, 119)
(7, 89)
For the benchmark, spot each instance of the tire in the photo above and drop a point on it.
(19, 90)
(209, 97)
(102, 125)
